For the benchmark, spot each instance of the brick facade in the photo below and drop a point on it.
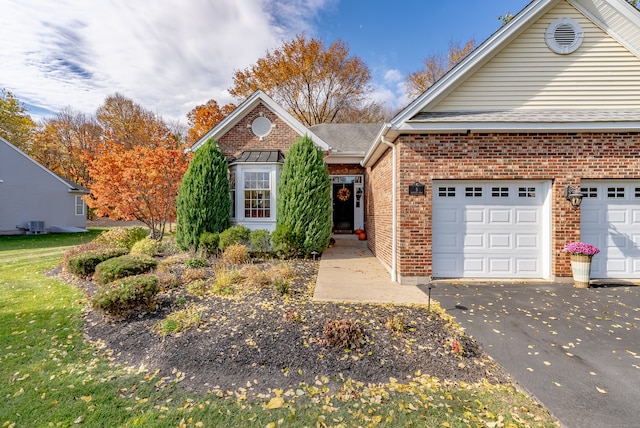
(241, 138)
(562, 158)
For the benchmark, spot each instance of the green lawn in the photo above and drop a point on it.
(49, 376)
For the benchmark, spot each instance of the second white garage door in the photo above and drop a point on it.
(610, 220)
(490, 229)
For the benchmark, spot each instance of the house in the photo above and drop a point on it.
(551, 100)
(256, 136)
(34, 199)
(471, 179)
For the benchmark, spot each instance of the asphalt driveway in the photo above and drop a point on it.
(576, 350)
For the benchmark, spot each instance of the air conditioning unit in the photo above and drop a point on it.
(36, 227)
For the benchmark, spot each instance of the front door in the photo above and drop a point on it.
(343, 208)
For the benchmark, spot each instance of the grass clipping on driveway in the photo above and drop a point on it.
(250, 355)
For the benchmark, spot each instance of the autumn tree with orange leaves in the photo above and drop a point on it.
(203, 118)
(314, 83)
(437, 66)
(140, 183)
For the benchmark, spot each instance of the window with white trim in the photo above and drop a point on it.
(257, 194)
(79, 204)
(232, 193)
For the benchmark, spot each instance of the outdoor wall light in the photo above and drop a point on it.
(359, 194)
(574, 196)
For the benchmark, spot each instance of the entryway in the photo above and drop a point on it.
(348, 203)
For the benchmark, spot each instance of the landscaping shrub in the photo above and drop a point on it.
(123, 266)
(235, 254)
(287, 243)
(170, 246)
(253, 276)
(209, 242)
(304, 200)
(197, 288)
(84, 263)
(237, 234)
(343, 333)
(203, 199)
(127, 296)
(179, 321)
(225, 279)
(281, 286)
(148, 247)
(260, 242)
(123, 237)
(196, 262)
(193, 274)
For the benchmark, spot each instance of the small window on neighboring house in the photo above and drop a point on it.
(473, 192)
(232, 193)
(589, 192)
(447, 192)
(500, 192)
(615, 192)
(79, 205)
(257, 195)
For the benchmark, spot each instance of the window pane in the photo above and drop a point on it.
(526, 192)
(257, 195)
(473, 192)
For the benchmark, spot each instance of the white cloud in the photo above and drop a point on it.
(393, 76)
(167, 55)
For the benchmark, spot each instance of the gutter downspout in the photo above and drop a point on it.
(394, 227)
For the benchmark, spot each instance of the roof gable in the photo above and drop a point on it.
(71, 186)
(245, 108)
(614, 24)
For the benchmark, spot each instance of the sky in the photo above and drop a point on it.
(171, 55)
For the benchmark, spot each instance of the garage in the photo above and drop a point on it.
(610, 220)
(491, 229)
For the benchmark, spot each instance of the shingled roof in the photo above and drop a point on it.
(348, 137)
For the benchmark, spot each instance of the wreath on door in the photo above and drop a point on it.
(344, 194)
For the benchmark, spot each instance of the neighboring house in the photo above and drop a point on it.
(469, 180)
(551, 100)
(34, 199)
(256, 136)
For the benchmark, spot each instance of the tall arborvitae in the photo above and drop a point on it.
(203, 203)
(304, 200)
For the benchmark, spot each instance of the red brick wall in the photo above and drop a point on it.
(379, 208)
(562, 158)
(241, 138)
(345, 169)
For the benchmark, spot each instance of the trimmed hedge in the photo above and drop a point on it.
(147, 246)
(237, 234)
(84, 264)
(127, 296)
(123, 266)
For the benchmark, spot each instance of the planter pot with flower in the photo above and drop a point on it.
(581, 255)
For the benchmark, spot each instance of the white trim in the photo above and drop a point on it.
(81, 205)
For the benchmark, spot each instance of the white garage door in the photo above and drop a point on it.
(490, 229)
(610, 220)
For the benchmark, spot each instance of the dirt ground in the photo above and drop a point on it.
(259, 340)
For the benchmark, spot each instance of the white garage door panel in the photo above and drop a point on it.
(610, 220)
(500, 231)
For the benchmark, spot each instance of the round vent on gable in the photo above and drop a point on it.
(261, 126)
(564, 36)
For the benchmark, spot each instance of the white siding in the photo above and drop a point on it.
(601, 74)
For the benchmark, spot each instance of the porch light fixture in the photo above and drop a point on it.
(574, 196)
(358, 194)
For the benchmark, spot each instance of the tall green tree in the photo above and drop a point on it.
(203, 203)
(304, 200)
(16, 126)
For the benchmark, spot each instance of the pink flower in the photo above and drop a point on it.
(580, 248)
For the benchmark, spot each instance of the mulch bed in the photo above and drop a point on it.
(262, 340)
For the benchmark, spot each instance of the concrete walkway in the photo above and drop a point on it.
(349, 272)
